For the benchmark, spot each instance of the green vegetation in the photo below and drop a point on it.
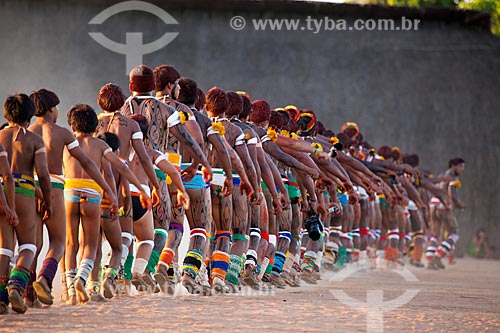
(491, 6)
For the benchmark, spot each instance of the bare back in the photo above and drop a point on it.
(121, 126)
(21, 146)
(55, 138)
(156, 113)
(93, 147)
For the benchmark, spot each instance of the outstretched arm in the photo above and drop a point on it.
(272, 149)
(42, 172)
(7, 200)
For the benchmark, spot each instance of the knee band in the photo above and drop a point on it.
(222, 234)
(160, 231)
(127, 235)
(239, 237)
(255, 232)
(272, 240)
(355, 232)
(146, 242)
(265, 236)
(285, 234)
(176, 226)
(199, 232)
(363, 231)
(29, 247)
(393, 234)
(454, 238)
(6, 252)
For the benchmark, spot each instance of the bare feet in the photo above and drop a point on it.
(42, 290)
(81, 291)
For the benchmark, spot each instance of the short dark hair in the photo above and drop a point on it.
(455, 161)
(44, 101)
(111, 139)
(412, 160)
(247, 106)
(164, 75)
(200, 99)
(18, 108)
(188, 92)
(82, 118)
(235, 103)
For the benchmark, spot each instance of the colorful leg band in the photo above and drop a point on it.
(308, 261)
(127, 267)
(176, 226)
(265, 235)
(393, 234)
(255, 232)
(234, 269)
(269, 267)
(48, 270)
(192, 263)
(222, 234)
(4, 295)
(153, 261)
(239, 237)
(19, 277)
(111, 272)
(199, 232)
(167, 256)
(285, 234)
(251, 258)
(219, 265)
(363, 231)
(279, 261)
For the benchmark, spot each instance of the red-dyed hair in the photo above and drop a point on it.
(111, 97)
(141, 79)
(261, 111)
(385, 152)
(216, 100)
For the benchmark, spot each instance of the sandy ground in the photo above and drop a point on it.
(464, 297)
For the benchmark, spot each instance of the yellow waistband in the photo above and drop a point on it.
(82, 183)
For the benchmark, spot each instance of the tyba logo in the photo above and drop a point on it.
(133, 49)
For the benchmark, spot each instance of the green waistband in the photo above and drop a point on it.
(160, 174)
(52, 184)
(25, 191)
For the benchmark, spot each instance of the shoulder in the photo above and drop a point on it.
(34, 137)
